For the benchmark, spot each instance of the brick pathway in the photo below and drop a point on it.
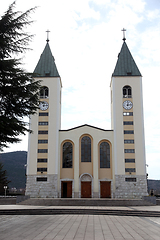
(82, 227)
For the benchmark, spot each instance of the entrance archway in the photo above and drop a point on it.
(86, 185)
(85, 189)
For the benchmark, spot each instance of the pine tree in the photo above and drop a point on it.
(19, 93)
(3, 179)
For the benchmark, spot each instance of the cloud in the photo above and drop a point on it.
(153, 14)
(136, 5)
(153, 165)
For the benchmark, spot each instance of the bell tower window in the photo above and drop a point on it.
(127, 92)
(44, 92)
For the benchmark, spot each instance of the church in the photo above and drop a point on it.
(87, 161)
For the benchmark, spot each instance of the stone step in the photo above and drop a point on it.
(85, 202)
(79, 211)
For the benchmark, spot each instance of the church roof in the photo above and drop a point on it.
(126, 65)
(46, 66)
(84, 125)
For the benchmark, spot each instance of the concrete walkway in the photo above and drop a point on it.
(140, 208)
(78, 227)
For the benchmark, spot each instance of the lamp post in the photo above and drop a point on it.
(5, 189)
(147, 178)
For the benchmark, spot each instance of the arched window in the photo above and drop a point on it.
(127, 92)
(44, 92)
(104, 155)
(67, 155)
(86, 149)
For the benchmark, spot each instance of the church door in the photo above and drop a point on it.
(85, 189)
(66, 189)
(105, 189)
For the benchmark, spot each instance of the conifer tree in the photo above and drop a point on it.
(3, 179)
(18, 90)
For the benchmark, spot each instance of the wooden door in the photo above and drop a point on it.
(105, 189)
(69, 189)
(66, 189)
(85, 189)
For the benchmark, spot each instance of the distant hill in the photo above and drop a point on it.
(14, 165)
(154, 184)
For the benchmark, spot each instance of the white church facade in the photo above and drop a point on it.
(86, 161)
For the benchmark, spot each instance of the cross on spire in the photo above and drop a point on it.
(124, 30)
(47, 35)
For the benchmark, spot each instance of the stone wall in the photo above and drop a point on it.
(7, 200)
(130, 190)
(123, 189)
(46, 189)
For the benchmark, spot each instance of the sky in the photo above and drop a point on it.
(85, 39)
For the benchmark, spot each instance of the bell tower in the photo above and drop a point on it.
(128, 125)
(42, 160)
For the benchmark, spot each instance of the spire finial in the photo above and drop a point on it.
(124, 30)
(47, 35)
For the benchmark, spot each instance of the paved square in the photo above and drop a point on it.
(78, 227)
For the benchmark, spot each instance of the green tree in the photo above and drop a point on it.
(3, 179)
(19, 93)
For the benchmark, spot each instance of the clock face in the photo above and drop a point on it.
(43, 105)
(127, 104)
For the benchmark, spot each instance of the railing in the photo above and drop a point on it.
(127, 96)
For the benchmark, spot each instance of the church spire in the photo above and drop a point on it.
(46, 66)
(125, 65)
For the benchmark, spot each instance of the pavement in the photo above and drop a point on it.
(79, 227)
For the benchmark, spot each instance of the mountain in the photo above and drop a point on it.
(14, 164)
(155, 185)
